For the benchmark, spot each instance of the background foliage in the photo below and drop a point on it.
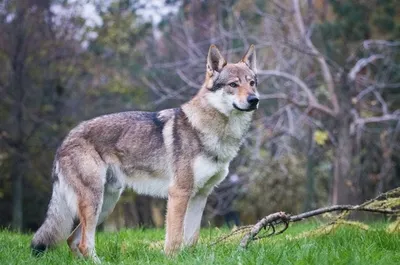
(327, 130)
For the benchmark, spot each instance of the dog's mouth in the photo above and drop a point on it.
(251, 108)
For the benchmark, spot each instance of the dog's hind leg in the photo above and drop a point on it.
(109, 202)
(112, 191)
(74, 239)
(89, 208)
(86, 175)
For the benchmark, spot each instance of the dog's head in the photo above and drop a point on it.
(232, 86)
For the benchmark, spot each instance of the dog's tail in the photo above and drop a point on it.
(59, 218)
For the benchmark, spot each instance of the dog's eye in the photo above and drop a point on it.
(233, 84)
(252, 83)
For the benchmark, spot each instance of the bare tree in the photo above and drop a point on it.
(339, 109)
(303, 89)
(36, 55)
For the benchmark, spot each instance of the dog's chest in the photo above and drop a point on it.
(224, 143)
(207, 171)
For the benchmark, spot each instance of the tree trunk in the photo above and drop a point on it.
(342, 182)
(345, 186)
(385, 175)
(310, 199)
(158, 212)
(17, 195)
(18, 65)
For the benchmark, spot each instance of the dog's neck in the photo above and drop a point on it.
(200, 112)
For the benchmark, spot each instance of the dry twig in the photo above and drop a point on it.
(380, 204)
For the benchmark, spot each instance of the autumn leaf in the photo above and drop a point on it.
(320, 137)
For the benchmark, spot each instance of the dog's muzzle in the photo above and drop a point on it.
(253, 103)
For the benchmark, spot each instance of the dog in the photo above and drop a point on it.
(179, 154)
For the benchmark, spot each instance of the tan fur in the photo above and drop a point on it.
(179, 154)
(178, 199)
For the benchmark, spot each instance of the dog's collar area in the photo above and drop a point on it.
(249, 109)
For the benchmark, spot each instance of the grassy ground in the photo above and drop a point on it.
(347, 245)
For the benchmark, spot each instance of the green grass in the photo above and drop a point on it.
(347, 245)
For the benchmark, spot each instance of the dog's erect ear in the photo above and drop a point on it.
(250, 58)
(215, 60)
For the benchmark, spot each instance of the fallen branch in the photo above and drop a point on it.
(299, 217)
(386, 203)
(269, 220)
(280, 217)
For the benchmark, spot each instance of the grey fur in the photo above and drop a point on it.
(177, 153)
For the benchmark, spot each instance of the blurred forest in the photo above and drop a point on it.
(328, 127)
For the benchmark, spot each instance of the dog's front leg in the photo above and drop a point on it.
(193, 216)
(176, 209)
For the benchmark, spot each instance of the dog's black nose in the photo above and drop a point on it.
(252, 99)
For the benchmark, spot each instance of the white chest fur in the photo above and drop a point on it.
(208, 172)
(226, 140)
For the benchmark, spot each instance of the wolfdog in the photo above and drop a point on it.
(179, 154)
